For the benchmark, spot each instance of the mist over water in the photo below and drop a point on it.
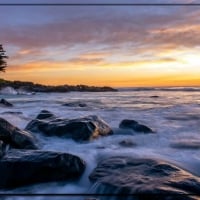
(173, 114)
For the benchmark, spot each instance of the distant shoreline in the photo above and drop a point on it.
(170, 88)
(34, 87)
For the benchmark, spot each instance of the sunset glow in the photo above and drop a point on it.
(114, 46)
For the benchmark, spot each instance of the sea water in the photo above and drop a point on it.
(173, 113)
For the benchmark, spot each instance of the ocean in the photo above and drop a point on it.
(173, 113)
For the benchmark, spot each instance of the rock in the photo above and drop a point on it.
(134, 125)
(22, 167)
(5, 103)
(44, 114)
(12, 113)
(144, 178)
(75, 104)
(154, 96)
(15, 137)
(81, 129)
(127, 143)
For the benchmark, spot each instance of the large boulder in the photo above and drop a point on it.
(144, 178)
(15, 137)
(134, 125)
(80, 129)
(5, 103)
(23, 167)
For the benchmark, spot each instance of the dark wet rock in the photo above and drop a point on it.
(5, 103)
(144, 178)
(186, 144)
(15, 137)
(154, 96)
(75, 104)
(80, 129)
(127, 143)
(134, 125)
(22, 167)
(100, 147)
(44, 114)
(12, 113)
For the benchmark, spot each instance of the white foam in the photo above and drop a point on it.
(8, 90)
(114, 107)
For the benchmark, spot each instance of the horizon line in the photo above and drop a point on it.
(116, 87)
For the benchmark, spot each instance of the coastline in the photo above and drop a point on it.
(34, 87)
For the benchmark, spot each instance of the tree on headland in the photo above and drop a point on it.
(3, 63)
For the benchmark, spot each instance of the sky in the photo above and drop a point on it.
(118, 46)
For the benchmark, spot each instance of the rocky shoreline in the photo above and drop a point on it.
(32, 87)
(121, 177)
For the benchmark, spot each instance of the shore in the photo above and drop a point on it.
(33, 87)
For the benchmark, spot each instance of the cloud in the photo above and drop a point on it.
(85, 62)
(108, 26)
(76, 38)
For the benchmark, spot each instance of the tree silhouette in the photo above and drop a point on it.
(3, 63)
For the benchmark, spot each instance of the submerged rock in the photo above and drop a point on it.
(15, 137)
(80, 129)
(44, 114)
(5, 103)
(154, 96)
(144, 179)
(12, 113)
(127, 143)
(18, 168)
(134, 125)
(75, 104)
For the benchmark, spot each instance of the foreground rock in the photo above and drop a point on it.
(134, 125)
(5, 103)
(80, 129)
(15, 137)
(144, 178)
(18, 168)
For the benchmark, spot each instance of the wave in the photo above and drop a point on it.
(12, 91)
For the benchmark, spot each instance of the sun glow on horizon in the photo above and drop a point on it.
(100, 47)
(141, 74)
